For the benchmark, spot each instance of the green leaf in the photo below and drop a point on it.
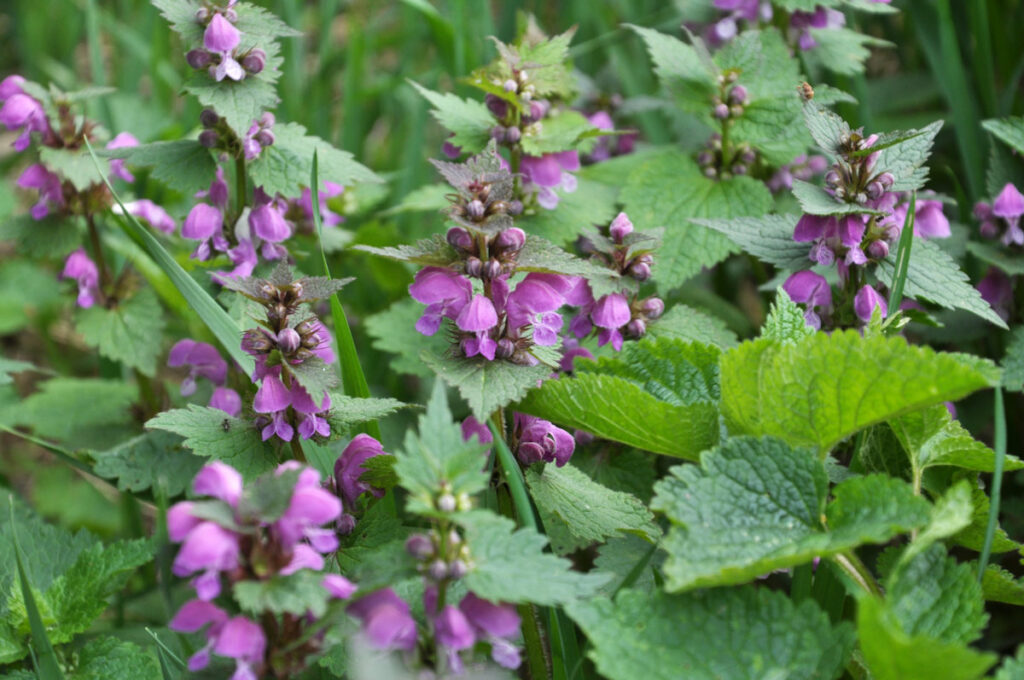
(545, 61)
(211, 433)
(755, 505)
(816, 201)
(691, 325)
(154, 460)
(934, 276)
(486, 385)
(931, 437)
(239, 102)
(108, 658)
(76, 409)
(785, 323)
(392, 332)
(1008, 130)
(315, 375)
(824, 388)
(469, 120)
(589, 511)
(951, 513)
(295, 594)
(825, 126)
(973, 536)
(1012, 668)
(509, 565)
(50, 237)
(995, 255)
(429, 252)
(131, 332)
(1013, 362)
(375, 529)
(437, 456)
(892, 654)
(631, 560)
(9, 367)
(539, 255)
(347, 412)
(184, 165)
(680, 70)
(667, 191)
(285, 166)
(736, 633)
(74, 166)
(906, 160)
(843, 51)
(558, 132)
(999, 585)
(769, 238)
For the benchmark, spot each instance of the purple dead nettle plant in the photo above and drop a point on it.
(204, 361)
(1000, 221)
(224, 53)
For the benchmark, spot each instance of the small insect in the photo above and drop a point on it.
(226, 425)
(806, 91)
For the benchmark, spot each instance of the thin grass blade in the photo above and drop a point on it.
(999, 418)
(903, 257)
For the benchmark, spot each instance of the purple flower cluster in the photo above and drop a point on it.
(83, 270)
(22, 112)
(803, 167)
(1001, 219)
(219, 54)
(218, 135)
(346, 482)
(608, 147)
(750, 11)
(204, 361)
(243, 546)
(801, 23)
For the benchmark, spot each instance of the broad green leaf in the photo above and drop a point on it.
(545, 60)
(768, 238)
(843, 51)
(43, 657)
(469, 120)
(315, 376)
(74, 166)
(892, 654)
(1012, 668)
(951, 513)
(934, 276)
(593, 203)
(906, 161)
(756, 505)
(347, 412)
(785, 323)
(736, 633)
(374, 530)
(680, 70)
(931, 437)
(816, 201)
(589, 511)
(437, 456)
(825, 126)
(213, 434)
(973, 536)
(1013, 362)
(998, 256)
(9, 367)
(824, 388)
(109, 658)
(294, 594)
(27, 292)
(558, 132)
(429, 252)
(627, 470)
(1009, 130)
(540, 255)
(153, 460)
(668, 191)
(131, 332)
(509, 565)
(486, 385)
(999, 585)
(50, 237)
(632, 561)
(80, 411)
(285, 166)
(184, 165)
(393, 331)
(685, 323)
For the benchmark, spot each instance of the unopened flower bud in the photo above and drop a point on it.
(254, 61)
(874, 190)
(620, 227)
(458, 237)
(739, 169)
(512, 238)
(640, 271)
(474, 267)
(419, 546)
(988, 229)
(886, 179)
(255, 341)
(202, 14)
(492, 269)
(208, 118)
(496, 105)
(653, 307)
(513, 135)
(346, 524)
(307, 327)
(738, 95)
(454, 538)
(515, 207)
(209, 138)
(636, 328)
(437, 570)
(878, 250)
(475, 209)
(530, 453)
(861, 198)
(231, 15)
(705, 158)
(265, 138)
(721, 112)
(267, 119)
(198, 58)
(736, 110)
(446, 502)
(457, 569)
(832, 178)
(748, 156)
(498, 133)
(288, 340)
(538, 109)
(710, 172)
(505, 349)
(510, 85)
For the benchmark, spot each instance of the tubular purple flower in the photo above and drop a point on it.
(47, 183)
(443, 291)
(266, 219)
(349, 467)
(220, 481)
(220, 35)
(272, 395)
(478, 315)
(471, 427)
(202, 359)
(227, 400)
(207, 547)
(204, 222)
(929, 220)
(865, 302)
(10, 86)
(279, 426)
(303, 557)
(544, 171)
(811, 228)
(244, 641)
(611, 311)
(570, 351)
(117, 169)
(22, 111)
(996, 288)
(338, 586)
(180, 521)
(499, 620)
(620, 227)
(83, 270)
(1009, 204)
(851, 230)
(813, 291)
(195, 614)
(452, 629)
(145, 209)
(387, 622)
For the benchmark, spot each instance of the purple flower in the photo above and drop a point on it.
(243, 256)
(443, 291)
(22, 111)
(1009, 205)
(349, 467)
(571, 349)
(929, 221)
(202, 359)
(821, 17)
(338, 586)
(865, 302)
(539, 440)
(611, 312)
(10, 86)
(221, 37)
(266, 219)
(117, 169)
(496, 623)
(242, 640)
(330, 190)
(310, 507)
(48, 185)
(204, 224)
(79, 267)
(386, 620)
(145, 209)
(472, 427)
(549, 171)
(219, 480)
(210, 548)
(620, 227)
(227, 400)
(813, 291)
(452, 629)
(996, 288)
(478, 315)
(312, 420)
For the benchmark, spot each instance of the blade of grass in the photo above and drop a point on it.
(165, 651)
(903, 257)
(997, 482)
(213, 315)
(47, 665)
(353, 380)
(984, 66)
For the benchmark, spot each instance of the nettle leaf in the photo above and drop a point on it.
(826, 127)
(668, 191)
(286, 166)
(74, 166)
(931, 437)
(1013, 667)
(1008, 130)
(184, 165)
(9, 367)
(76, 409)
(628, 558)
(486, 385)
(692, 325)
(660, 396)
(429, 252)
(586, 509)
(315, 375)
(999, 585)
(131, 332)
(737, 633)
(295, 594)
(785, 323)
(50, 237)
(823, 388)
(347, 412)
(509, 565)
(151, 460)
(756, 505)
(814, 200)
(211, 433)
(906, 160)
(559, 132)
(768, 238)
(973, 537)
(951, 513)
(376, 529)
(239, 102)
(680, 70)
(468, 119)
(392, 331)
(545, 60)
(995, 255)
(843, 51)
(539, 255)
(109, 657)
(933, 276)
(593, 203)
(436, 455)
(1013, 362)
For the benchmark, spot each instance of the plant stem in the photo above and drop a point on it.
(855, 569)
(997, 483)
(240, 188)
(97, 254)
(535, 656)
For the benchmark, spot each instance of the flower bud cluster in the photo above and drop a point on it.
(803, 167)
(717, 162)
(219, 54)
(483, 203)
(731, 98)
(501, 251)
(218, 135)
(852, 178)
(230, 538)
